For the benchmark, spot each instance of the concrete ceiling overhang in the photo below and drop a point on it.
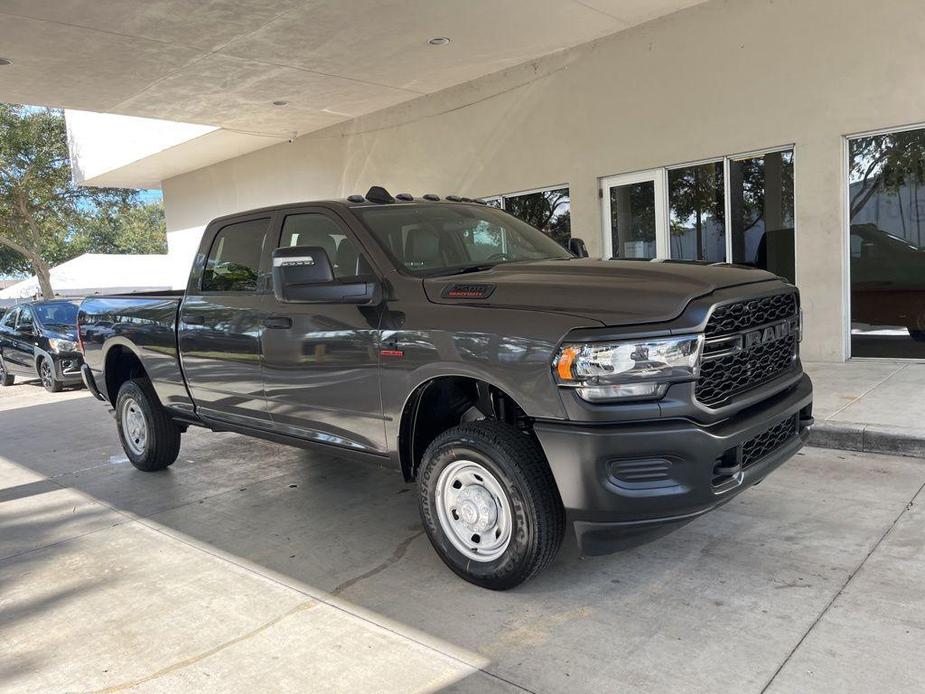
(224, 62)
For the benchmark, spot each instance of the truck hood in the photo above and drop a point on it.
(613, 292)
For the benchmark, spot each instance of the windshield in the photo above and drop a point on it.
(56, 313)
(446, 238)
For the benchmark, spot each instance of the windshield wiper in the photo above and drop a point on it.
(463, 270)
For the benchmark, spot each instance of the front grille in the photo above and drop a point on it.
(766, 443)
(742, 315)
(730, 367)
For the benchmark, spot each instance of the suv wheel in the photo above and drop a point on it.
(47, 374)
(490, 504)
(6, 378)
(149, 437)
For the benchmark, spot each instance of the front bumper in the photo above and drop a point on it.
(68, 367)
(626, 483)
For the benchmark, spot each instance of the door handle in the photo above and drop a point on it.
(281, 322)
(194, 319)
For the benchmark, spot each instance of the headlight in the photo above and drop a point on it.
(59, 345)
(632, 370)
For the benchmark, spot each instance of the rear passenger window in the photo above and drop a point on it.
(234, 260)
(319, 230)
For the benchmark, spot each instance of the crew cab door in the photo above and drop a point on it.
(321, 360)
(221, 323)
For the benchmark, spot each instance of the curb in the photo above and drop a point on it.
(868, 438)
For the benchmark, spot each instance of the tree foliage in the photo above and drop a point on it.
(45, 219)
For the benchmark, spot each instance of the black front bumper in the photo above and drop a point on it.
(626, 483)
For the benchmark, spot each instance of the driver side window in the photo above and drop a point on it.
(25, 318)
(9, 320)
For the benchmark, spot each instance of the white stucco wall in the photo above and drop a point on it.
(726, 77)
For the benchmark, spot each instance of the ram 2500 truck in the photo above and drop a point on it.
(521, 387)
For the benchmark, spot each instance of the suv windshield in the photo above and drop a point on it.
(434, 239)
(56, 313)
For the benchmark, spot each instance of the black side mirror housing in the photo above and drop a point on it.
(303, 274)
(578, 248)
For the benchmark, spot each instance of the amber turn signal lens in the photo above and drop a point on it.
(565, 361)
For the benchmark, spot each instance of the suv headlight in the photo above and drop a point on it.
(631, 370)
(59, 345)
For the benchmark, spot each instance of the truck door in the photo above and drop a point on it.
(221, 324)
(320, 360)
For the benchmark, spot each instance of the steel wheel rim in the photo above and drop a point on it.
(473, 510)
(45, 374)
(134, 426)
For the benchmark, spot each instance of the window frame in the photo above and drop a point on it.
(663, 205)
(846, 237)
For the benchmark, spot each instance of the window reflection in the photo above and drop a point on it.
(632, 220)
(547, 210)
(761, 212)
(886, 175)
(697, 212)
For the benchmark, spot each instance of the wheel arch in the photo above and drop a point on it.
(120, 364)
(441, 402)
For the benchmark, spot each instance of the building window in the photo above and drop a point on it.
(761, 212)
(736, 209)
(886, 197)
(548, 209)
(697, 212)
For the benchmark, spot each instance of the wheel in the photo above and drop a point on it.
(6, 378)
(149, 437)
(47, 374)
(916, 327)
(489, 504)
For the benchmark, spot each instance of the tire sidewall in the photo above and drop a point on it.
(52, 386)
(509, 568)
(130, 390)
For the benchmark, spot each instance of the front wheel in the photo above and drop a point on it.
(490, 505)
(47, 375)
(149, 437)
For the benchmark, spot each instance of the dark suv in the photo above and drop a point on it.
(521, 387)
(39, 340)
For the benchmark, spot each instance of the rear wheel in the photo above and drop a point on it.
(6, 378)
(150, 439)
(47, 374)
(490, 505)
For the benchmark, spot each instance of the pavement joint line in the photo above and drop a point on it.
(322, 598)
(908, 505)
(325, 598)
(866, 392)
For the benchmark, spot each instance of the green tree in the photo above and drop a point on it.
(46, 219)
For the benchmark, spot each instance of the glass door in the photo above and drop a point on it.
(634, 215)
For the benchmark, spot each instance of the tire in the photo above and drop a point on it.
(47, 375)
(6, 378)
(149, 437)
(527, 508)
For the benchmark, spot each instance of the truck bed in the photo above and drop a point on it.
(143, 326)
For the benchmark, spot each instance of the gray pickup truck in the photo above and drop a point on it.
(521, 387)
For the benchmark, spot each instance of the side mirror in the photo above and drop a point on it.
(577, 247)
(303, 274)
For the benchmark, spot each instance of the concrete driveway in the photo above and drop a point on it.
(253, 567)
